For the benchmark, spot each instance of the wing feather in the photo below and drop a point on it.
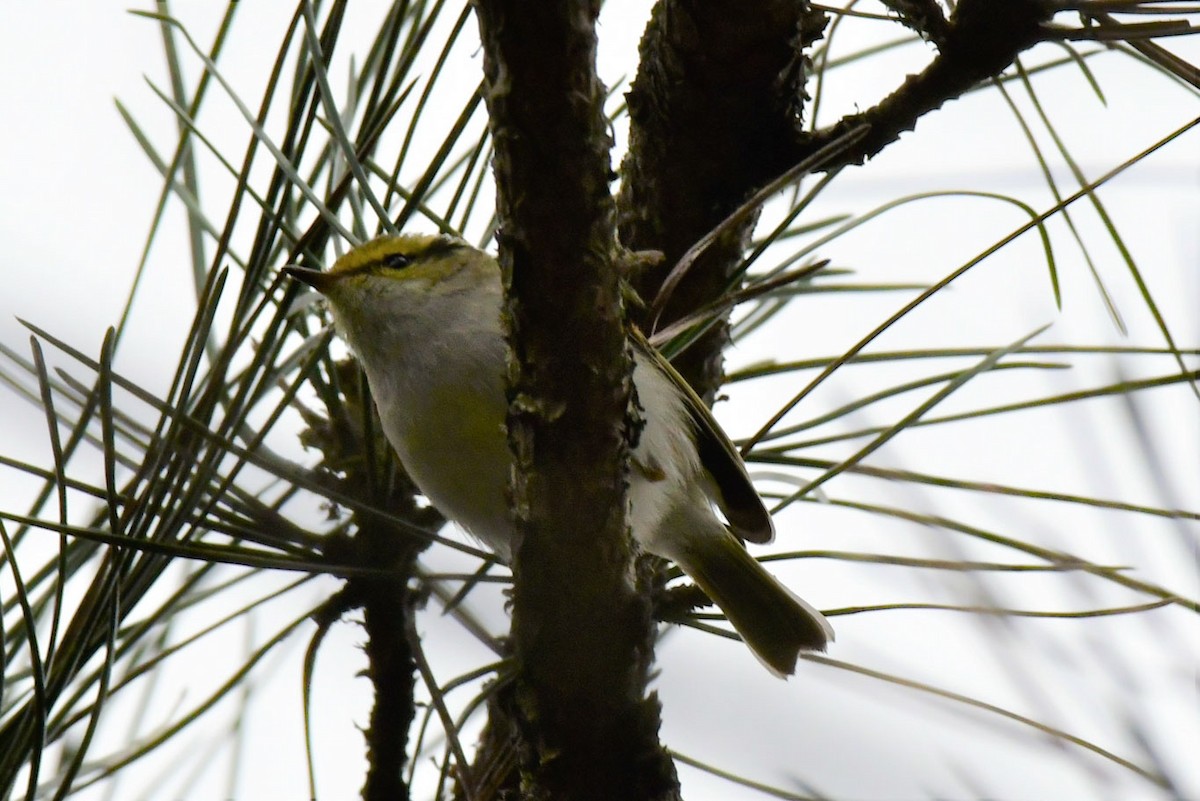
(735, 495)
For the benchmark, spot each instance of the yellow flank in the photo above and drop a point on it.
(455, 442)
(476, 420)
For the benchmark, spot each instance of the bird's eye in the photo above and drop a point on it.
(396, 261)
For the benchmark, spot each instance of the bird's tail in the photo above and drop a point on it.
(774, 622)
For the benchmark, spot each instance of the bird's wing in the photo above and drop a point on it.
(735, 496)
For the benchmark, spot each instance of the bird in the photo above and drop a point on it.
(422, 315)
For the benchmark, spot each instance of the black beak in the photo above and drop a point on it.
(318, 280)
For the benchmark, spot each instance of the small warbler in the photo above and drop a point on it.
(422, 314)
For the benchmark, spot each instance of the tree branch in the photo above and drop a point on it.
(981, 39)
(718, 93)
(581, 627)
(351, 431)
(387, 604)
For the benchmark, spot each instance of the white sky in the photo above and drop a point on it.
(77, 196)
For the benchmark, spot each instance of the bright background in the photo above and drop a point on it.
(78, 194)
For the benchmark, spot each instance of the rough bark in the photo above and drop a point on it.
(717, 97)
(582, 726)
